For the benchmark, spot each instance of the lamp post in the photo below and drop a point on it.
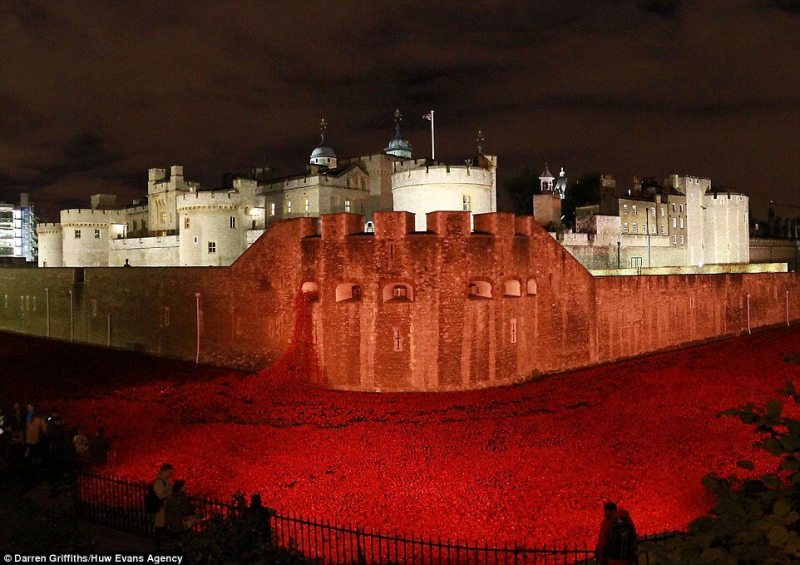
(197, 317)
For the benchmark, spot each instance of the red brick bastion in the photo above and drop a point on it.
(396, 310)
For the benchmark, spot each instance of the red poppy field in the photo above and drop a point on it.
(531, 463)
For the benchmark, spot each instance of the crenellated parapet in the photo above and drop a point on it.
(208, 200)
(90, 217)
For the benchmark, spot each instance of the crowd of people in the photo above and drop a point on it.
(38, 446)
(173, 512)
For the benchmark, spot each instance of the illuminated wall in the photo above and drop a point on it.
(397, 310)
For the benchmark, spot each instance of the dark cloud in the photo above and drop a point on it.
(96, 92)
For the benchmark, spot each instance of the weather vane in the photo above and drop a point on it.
(480, 141)
(398, 117)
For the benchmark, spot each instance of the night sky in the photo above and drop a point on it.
(92, 94)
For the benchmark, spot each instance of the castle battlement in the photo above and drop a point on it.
(398, 225)
(442, 174)
(208, 199)
(48, 227)
(88, 216)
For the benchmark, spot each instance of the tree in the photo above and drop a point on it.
(521, 189)
(584, 191)
(753, 520)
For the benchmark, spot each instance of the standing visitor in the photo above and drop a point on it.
(158, 493)
(98, 447)
(616, 542)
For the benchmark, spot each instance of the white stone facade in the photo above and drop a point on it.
(182, 225)
(443, 187)
(691, 225)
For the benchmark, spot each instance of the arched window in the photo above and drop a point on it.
(310, 288)
(512, 287)
(479, 289)
(466, 203)
(348, 292)
(532, 287)
(369, 227)
(398, 292)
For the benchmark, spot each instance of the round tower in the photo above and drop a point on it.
(442, 188)
(51, 248)
(212, 228)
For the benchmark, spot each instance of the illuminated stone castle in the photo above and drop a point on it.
(179, 224)
(453, 307)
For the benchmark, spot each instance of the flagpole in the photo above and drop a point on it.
(433, 147)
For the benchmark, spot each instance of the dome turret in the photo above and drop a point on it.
(561, 184)
(398, 146)
(323, 156)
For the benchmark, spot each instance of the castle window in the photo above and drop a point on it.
(633, 209)
(212, 246)
(681, 223)
(663, 230)
(532, 286)
(625, 208)
(288, 206)
(163, 216)
(271, 208)
(466, 203)
(674, 222)
(369, 227)
(306, 205)
(681, 240)
(186, 223)
(194, 239)
(513, 330)
(512, 287)
(77, 234)
(34, 303)
(310, 288)
(653, 212)
(346, 205)
(479, 289)
(625, 227)
(398, 292)
(397, 340)
(635, 227)
(232, 222)
(663, 211)
(681, 208)
(674, 240)
(97, 234)
(348, 292)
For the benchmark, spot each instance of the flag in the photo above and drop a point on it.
(428, 117)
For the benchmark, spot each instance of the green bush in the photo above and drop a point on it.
(753, 520)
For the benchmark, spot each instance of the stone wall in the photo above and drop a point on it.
(446, 309)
